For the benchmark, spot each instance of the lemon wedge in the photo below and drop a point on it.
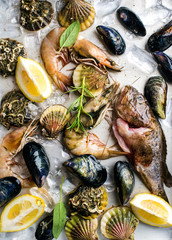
(21, 213)
(152, 210)
(32, 80)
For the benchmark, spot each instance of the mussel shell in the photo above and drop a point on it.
(156, 94)
(125, 181)
(162, 39)
(113, 40)
(131, 21)
(10, 187)
(37, 162)
(88, 169)
(44, 229)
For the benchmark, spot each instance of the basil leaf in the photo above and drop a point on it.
(70, 35)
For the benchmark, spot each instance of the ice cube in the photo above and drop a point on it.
(109, 184)
(4, 4)
(68, 187)
(167, 3)
(59, 5)
(13, 14)
(105, 7)
(10, 31)
(152, 3)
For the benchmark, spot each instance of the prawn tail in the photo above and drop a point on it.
(115, 150)
(62, 85)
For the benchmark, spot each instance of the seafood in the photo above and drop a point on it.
(35, 14)
(124, 180)
(156, 94)
(162, 39)
(10, 187)
(164, 65)
(83, 229)
(10, 50)
(37, 162)
(13, 111)
(88, 169)
(139, 133)
(131, 21)
(44, 229)
(53, 120)
(119, 223)
(88, 202)
(77, 10)
(113, 40)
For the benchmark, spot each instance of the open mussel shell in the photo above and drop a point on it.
(88, 169)
(53, 120)
(156, 94)
(124, 180)
(118, 223)
(113, 40)
(77, 10)
(44, 229)
(161, 40)
(131, 21)
(88, 202)
(84, 229)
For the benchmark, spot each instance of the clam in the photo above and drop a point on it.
(53, 120)
(156, 94)
(44, 229)
(78, 228)
(88, 202)
(124, 179)
(118, 223)
(77, 10)
(88, 169)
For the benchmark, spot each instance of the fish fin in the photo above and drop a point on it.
(167, 176)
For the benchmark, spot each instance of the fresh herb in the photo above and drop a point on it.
(59, 216)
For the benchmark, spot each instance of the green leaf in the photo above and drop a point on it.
(59, 216)
(70, 35)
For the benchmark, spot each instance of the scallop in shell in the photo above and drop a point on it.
(83, 229)
(77, 10)
(118, 223)
(53, 120)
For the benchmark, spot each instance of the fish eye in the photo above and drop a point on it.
(140, 97)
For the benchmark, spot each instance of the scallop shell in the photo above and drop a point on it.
(77, 10)
(94, 79)
(118, 223)
(53, 120)
(83, 229)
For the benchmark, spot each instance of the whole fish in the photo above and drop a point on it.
(139, 133)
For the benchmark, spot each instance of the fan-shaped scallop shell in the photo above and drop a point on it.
(118, 223)
(77, 10)
(53, 120)
(78, 228)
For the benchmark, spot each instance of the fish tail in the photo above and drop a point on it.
(167, 177)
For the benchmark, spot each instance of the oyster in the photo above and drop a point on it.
(44, 229)
(35, 14)
(156, 94)
(118, 223)
(13, 111)
(53, 120)
(77, 10)
(88, 202)
(10, 50)
(78, 228)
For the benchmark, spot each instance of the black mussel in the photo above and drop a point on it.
(9, 188)
(162, 39)
(113, 40)
(124, 180)
(164, 65)
(156, 94)
(131, 21)
(44, 229)
(37, 162)
(88, 169)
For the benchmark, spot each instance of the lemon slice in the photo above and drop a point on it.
(152, 210)
(21, 213)
(32, 80)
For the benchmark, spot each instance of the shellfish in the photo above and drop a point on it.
(88, 169)
(88, 202)
(53, 120)
(118, 223)
(77, 10)
(44, 229)
(131, 21)
(156, 94)
(35, 14)
(113, 40)
(124, 179)
(82, 229)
